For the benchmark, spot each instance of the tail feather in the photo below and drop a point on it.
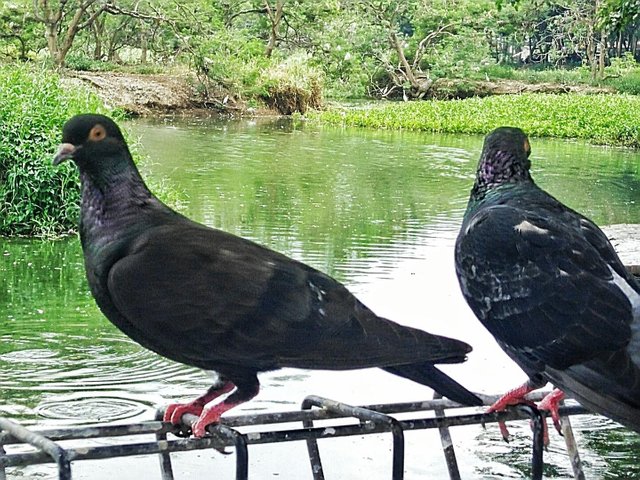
(427, 374)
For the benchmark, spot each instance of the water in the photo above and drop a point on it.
(379, 211)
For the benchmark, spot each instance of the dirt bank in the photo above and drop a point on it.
(446, 89)
(145, 94)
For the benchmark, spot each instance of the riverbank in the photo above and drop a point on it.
(152, 94)
(601, 119)
(149, 94)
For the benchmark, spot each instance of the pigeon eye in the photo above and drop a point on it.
(97, 133)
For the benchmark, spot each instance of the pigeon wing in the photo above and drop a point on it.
(228, 299)
(540, 287)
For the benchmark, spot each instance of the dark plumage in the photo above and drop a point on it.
(210, 299)
(546, 282)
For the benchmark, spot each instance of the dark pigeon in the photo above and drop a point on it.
(546, 282)
(206, 298)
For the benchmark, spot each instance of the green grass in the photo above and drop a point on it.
(565, 76)
(37, 199)
(599, 119)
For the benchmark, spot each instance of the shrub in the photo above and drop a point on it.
(566, 76)
(293, 85)
(627, 83)
(231, 61)
(37, 198)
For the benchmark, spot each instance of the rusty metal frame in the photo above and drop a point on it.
(372, 419)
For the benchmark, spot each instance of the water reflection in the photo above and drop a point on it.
(378, 210)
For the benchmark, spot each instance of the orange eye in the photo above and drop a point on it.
(97, 133)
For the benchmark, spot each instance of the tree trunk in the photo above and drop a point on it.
(97, 28)
(144, 43)
(97, 49)
(619, 49)
(275, 18)
(602, 54)
(52, 20)
(395, 41)
(51, 34)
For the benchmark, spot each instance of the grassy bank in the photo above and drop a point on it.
(600, 119)
(35, 197)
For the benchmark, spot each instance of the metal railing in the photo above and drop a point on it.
(48, 445)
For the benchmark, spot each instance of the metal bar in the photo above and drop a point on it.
(53, 450)
(182, 445)
(312, 444)
(538, 426)
(3, 470)
(239, 441)
(377, 418)
(166, 469)
(154, 427)
(447, 444)
(572, 448)
(76, 433)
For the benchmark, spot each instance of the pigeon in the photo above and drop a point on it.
(206, 298)
(548, 285)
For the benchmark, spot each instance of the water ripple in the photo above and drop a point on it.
(91, 409)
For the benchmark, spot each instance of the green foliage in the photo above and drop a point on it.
(21, 36)
(231, 60)
(293, 85)
(82, 63)
(628, 83)
(565, 76)
(37, 198)
(600, 119)
(624, 74)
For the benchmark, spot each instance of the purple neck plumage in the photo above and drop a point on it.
(107, 208)
(498, 167)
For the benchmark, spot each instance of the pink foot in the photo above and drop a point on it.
(211, 415)
(512, 397)
(175, 411)
(551, 403)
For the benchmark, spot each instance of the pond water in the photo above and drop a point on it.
(379, 211)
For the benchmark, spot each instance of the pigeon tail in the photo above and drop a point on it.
(427, 374)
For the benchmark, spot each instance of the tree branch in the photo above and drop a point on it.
(113, 9)
(426, 41)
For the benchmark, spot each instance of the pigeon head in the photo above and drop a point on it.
(95, 143)
(504, 159)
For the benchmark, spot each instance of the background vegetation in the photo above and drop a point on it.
(600, 119)
(361, 47)
(289, 54)
(37, 198)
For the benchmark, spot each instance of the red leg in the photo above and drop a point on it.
(212, 413)
(552, 403)
(513, 397)
(175, 411)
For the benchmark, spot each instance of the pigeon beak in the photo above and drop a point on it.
(65, 151)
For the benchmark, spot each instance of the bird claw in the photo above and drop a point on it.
(504, 431)
(175, 411)
(511, 398)
(200, 427)
(551, 403)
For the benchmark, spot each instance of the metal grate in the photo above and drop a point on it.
(48, 445)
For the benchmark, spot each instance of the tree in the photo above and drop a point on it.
(63, 19)
(19, 32)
